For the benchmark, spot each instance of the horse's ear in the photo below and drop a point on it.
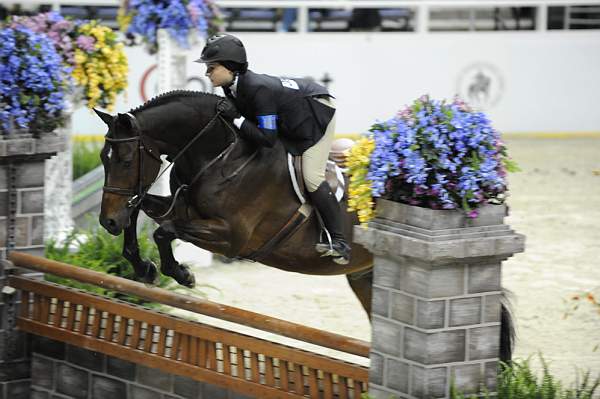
(125, 121)
(106, 118)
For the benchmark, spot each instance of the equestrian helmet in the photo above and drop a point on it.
(223, 47)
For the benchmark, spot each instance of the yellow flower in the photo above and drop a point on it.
(104, 68)
(359, 190)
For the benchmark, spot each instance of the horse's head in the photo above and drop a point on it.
(131, 163)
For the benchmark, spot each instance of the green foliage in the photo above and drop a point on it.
(97, 250)
(519, 381)
(86, 157)
(511, 165)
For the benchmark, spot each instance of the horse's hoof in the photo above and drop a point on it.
(182, 274)
(189, 280)
(150, 273)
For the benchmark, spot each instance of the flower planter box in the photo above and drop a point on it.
(436, 298)
(23, 145)
(22, 178)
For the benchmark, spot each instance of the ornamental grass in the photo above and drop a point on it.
(519, 381)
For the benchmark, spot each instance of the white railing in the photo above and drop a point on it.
(335, 3)
(420, 7)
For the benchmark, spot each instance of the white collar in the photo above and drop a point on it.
(233, 86)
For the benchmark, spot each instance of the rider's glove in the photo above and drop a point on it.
(227, 109)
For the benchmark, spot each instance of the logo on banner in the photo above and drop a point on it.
(149, 83)
(481, 85)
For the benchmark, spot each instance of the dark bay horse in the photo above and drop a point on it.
(224, 212)
(239, 196)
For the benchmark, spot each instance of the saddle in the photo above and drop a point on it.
(334, 175)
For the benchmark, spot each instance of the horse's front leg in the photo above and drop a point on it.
(168, 264)
(145, 270)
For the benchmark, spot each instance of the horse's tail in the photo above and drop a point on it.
(507, 328)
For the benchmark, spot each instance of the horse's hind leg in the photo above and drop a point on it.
(145, 270)
(362, 285)
(168, 264)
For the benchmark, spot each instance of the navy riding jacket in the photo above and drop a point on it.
(281, 108)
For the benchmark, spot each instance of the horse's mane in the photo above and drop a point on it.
(168, 96)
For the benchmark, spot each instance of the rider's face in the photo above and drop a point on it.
(218, 74)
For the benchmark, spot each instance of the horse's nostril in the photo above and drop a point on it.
(111, 222)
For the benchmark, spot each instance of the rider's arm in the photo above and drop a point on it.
(265, 133)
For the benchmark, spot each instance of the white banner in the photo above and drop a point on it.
(526, 81)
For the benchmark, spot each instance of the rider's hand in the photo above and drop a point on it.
(227, 109)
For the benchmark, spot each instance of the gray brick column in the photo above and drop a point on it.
(436, 298)
(21, 228)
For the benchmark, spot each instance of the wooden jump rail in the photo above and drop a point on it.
(242, 363)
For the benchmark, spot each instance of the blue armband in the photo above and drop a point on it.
(267, 122)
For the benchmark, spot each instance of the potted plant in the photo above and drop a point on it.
(183, 19)
(433, 154)
(32, 83)
(437, 172)
(90, 51)
(81, 63)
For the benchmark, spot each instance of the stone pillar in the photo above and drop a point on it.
(436, 298)
(22, 160)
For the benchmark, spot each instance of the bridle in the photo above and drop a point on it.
(137, 195)
(140, 191)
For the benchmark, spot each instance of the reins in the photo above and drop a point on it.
(139, 194)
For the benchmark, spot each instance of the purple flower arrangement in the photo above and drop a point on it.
(92, 59)
(58, 29)
(143, 18)
(32, 80)
(439, 155)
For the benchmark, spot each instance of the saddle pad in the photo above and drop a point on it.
(333, 176)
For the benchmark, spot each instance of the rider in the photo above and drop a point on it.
(299, 112)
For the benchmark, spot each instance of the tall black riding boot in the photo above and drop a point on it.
(327, 205)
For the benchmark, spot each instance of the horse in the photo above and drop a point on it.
(228, 196)
(232, 216)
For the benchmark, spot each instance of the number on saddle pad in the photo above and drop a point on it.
(289, 83)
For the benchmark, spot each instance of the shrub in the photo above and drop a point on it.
(518, 381)
(97, 250)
